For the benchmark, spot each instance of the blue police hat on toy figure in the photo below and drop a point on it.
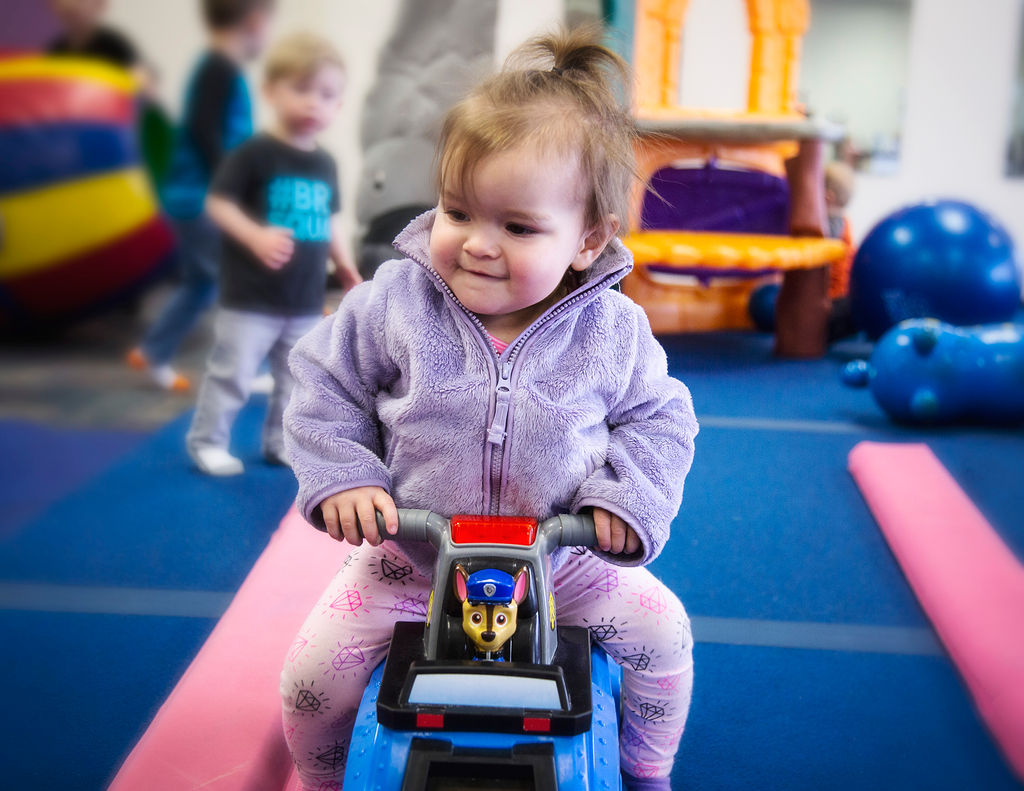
(490, 586)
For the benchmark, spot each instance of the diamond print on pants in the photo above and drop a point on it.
(412, 606)
(332, 757)
(603, 631)
(645, 770)
(638, 662)
(306, 701)
(329, 785)
(669, 682)
(348, 601)
(349, 656)
(393, 571)
(606, 582)
(631, 737)
(297, 648)
(650, 711)
(652, 599)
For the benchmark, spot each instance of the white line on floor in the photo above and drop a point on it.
(112, 601)
(780, 424)
(37, 597)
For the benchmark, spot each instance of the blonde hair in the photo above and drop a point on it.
(300, 55)
(839, 178)
(565, 94)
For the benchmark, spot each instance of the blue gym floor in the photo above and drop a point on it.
(815, 667)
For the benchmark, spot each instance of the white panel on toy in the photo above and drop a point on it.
(471, 689)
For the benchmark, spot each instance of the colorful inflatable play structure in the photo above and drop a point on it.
(735, 196)
(80, 227)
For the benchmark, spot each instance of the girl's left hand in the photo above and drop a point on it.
(613, 534)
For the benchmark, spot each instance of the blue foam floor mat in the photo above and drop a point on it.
(80, 689)
(774, 544)
(84, 685)
(771, 718)
(152, 520)
(43, 464)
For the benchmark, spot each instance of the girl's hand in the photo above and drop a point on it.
(614, 535)
(273, 245)
(349, 511)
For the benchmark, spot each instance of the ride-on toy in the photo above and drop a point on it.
(489, 693)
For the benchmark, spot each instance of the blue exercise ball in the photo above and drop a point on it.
(761, 306)
(941, 259)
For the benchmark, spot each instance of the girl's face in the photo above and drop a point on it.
(504, 246)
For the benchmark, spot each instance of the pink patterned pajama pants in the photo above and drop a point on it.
(634, 617)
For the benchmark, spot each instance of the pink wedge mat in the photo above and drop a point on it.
(968, 581)
(220, 728)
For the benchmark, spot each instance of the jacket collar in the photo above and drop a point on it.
(613, 264)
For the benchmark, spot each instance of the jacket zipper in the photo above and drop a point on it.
(502, 403)
(498, 430)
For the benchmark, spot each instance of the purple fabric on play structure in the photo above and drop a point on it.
(712, 198)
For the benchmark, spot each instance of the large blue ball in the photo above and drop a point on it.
(941, 259)
(761, 306)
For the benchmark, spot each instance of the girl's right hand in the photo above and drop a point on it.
(351, 515)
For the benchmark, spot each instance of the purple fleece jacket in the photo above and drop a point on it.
(400, 388)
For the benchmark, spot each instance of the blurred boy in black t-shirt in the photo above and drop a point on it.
(276, 200)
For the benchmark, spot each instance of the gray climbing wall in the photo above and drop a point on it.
(437, 51)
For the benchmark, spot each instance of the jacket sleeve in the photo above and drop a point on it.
(332, 435)
(205, 115)
(652, 428)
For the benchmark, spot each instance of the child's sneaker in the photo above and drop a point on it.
(262, 384)
(216, 461)
(163, 375)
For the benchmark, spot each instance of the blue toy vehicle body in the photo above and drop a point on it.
(543, 715)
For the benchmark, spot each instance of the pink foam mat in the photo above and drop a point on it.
(968, 581)
(220, 728)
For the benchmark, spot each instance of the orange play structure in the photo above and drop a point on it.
(771, 137)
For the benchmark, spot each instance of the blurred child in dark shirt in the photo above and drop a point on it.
(217, 116)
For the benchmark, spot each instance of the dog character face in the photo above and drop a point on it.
(490, 602)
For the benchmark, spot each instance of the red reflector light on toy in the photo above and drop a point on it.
(536, 725)
(518, 530)
(429, 720)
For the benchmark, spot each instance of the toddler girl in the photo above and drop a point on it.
(494, 371)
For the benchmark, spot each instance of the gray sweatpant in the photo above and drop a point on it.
(242, 340)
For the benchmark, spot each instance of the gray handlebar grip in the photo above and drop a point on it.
(573, 530)
(415, 525)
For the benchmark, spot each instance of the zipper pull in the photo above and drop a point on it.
(496, 433)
